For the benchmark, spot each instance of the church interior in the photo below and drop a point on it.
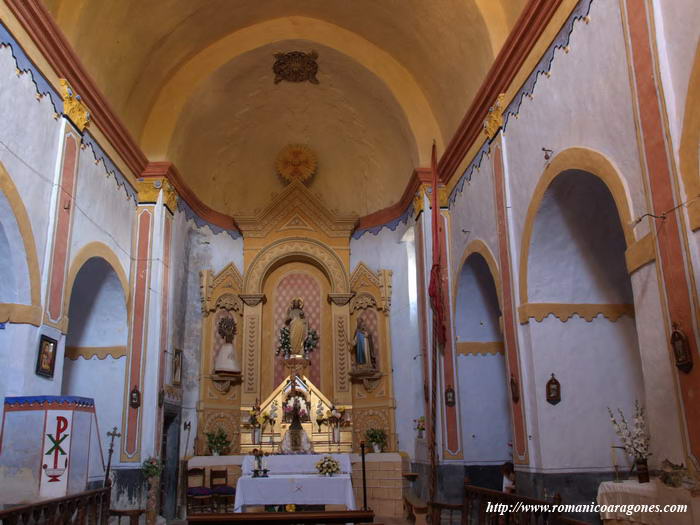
(380, 260)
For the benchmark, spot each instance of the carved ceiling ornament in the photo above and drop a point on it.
(296, 162)
(296, 66)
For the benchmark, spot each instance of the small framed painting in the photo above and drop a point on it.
(46, 359)
(177, 367)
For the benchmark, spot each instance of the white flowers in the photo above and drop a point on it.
(328, 466)
(635, 440)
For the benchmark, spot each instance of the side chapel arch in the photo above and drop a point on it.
(13, 312)
(582, 159)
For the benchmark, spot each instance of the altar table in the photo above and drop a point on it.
(299, 489)
(286, 464)
(631, 492)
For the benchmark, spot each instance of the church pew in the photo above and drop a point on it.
(339, 516)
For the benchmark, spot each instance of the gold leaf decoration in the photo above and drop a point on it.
(296, 162)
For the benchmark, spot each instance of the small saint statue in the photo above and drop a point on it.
(225, 361)
(364, 349)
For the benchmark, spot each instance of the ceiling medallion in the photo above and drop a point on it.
(295, 67)
(296, 162)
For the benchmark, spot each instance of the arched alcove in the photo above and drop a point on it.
(96, 342)
(484, 400)
(577, 277)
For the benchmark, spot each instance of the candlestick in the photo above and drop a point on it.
(613, 456)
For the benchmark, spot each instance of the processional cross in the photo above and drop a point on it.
(113, 434)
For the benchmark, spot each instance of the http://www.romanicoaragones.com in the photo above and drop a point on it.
(627, 510)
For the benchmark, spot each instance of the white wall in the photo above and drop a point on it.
(386, 251)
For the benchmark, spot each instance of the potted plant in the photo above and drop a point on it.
(635, 440)
(151, 469)
(218, 441)
(377, 437)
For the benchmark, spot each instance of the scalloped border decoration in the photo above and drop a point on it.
(565, 311)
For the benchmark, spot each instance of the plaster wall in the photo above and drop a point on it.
(484, 400)
(598, 365)
(678, 35)
(19, 346)
(97, 312)
(194, 249)
(586, 102)
(485, 416)
(102, 380)
(103, 212)
(387, 251)
(28, 145)
(473, 216)
(14, 286)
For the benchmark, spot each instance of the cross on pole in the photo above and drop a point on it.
(113, 434)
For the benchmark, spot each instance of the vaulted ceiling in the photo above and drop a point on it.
(192, 80)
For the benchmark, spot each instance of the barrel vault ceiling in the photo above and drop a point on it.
(192, 80)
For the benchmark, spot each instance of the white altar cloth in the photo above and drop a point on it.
(295, 463)
(299, 489)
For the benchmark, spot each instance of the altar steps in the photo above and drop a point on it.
(338, 516)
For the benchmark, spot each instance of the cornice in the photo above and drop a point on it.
(168, 170)
(395, 211)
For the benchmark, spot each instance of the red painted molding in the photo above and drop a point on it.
(53, 44)
(168, 170)
(522, 38)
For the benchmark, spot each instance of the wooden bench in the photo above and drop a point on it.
(340, 516)
(416, 509)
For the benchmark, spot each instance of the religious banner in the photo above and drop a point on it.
(56, 451)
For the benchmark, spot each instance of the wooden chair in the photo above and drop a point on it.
(199, 496)
(224, 494)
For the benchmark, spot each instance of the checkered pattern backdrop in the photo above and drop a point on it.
(307, 287)
(369, 318)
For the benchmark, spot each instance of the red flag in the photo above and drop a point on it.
(435, 287)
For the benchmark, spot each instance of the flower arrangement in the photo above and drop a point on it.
(328, 466)
(635, 440)
(255, 418)
(218, 441)
(377, 437)
(420, 424)
(335, 416)
(290, 507)
(284, 346)
(151, 467)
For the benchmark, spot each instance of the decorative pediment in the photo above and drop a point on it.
(296, 208)
(221, 290)
(365, 283)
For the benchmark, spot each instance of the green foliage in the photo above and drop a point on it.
(218, 441)
(151, 467)
(376, 435)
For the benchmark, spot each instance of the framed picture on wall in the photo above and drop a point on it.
(177, 367)
(46, 358)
